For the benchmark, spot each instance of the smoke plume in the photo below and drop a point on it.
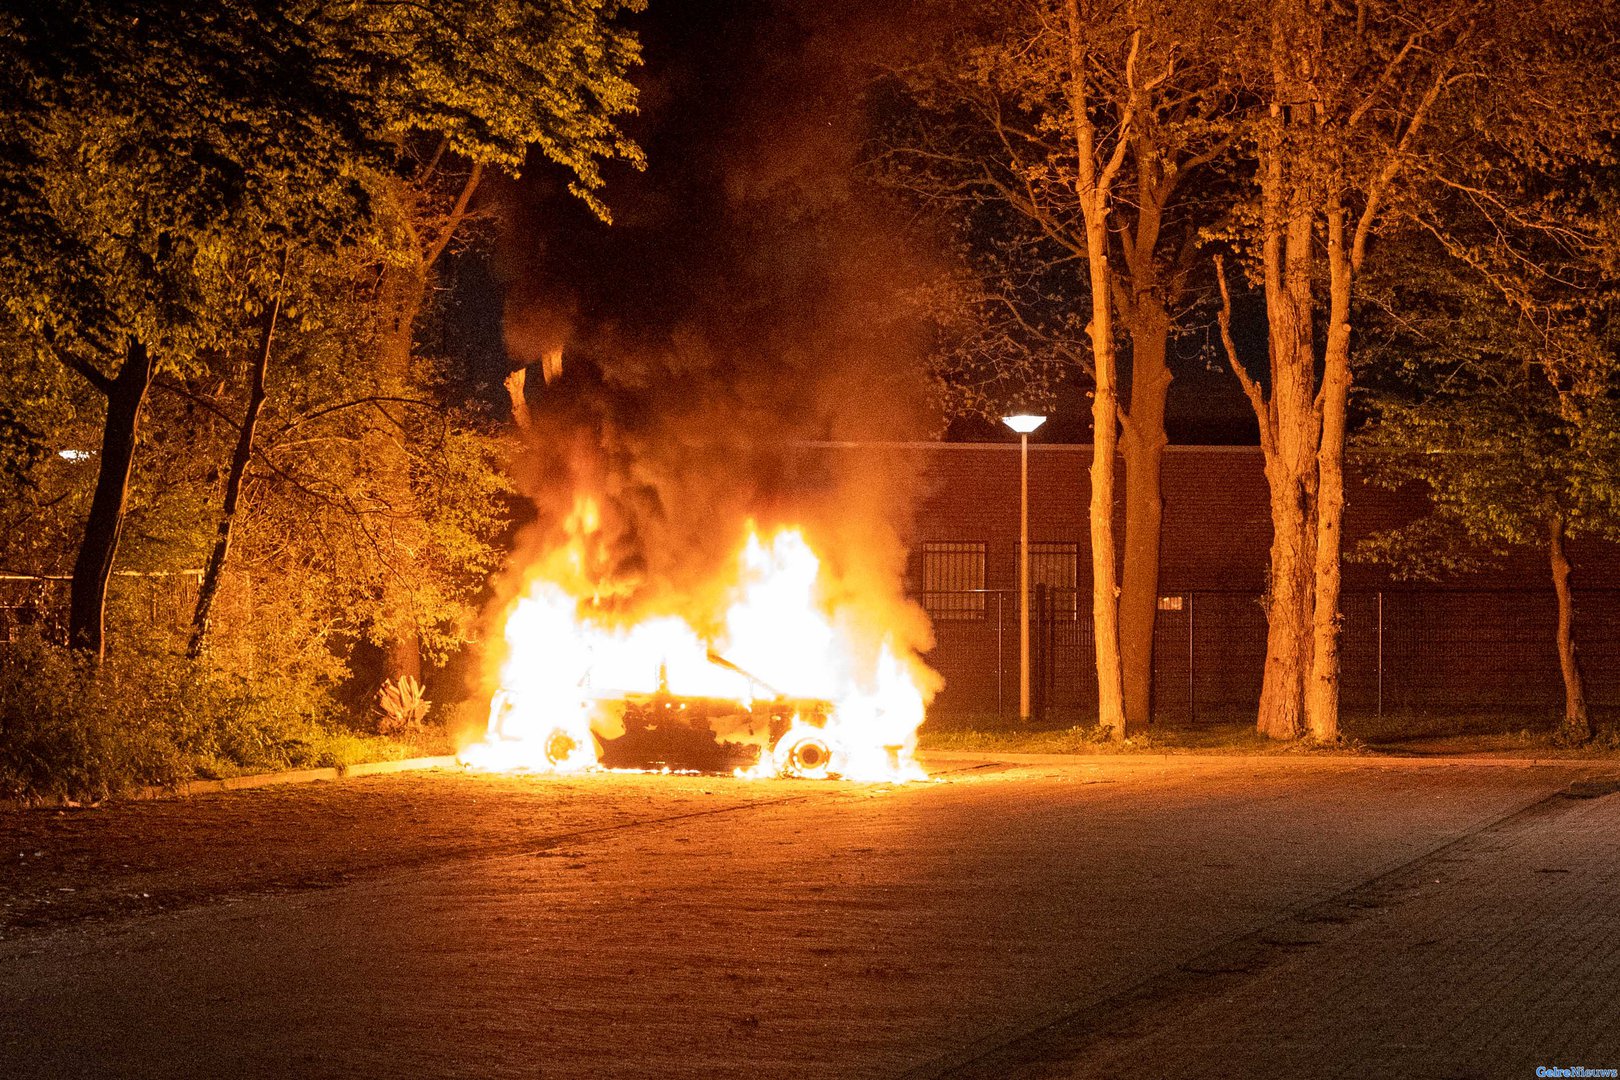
(744, 304)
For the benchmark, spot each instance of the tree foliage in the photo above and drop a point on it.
(1508, 416)
(980, 132)
(1495, 303)
(1480, 418)
(160, 164)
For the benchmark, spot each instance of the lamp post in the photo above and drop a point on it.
(1023, 423)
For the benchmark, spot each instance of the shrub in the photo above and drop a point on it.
(70, 731)
(73, 730)
(401, 708)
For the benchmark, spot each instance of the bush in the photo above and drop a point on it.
(73, 730)
(70, 731)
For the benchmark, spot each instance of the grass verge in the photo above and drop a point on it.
(1406, 734)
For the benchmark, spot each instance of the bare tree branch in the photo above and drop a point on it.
(1251, 389)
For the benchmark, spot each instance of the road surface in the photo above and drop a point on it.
(1166, 917)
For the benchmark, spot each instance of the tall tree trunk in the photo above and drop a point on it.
(1287, 264)
(243, 453)
(87, 604)
(1288, 603)
(1094, 191)
(1322, 689)
(1291, 473)
(1104, 594)
(1142, 448)
(1577, 721)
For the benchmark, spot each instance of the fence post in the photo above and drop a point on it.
(1039, 652)
(1001, 652)
(1192, 666)
(1380, 653)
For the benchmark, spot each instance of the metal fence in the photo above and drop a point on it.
(40, 602)
(1457, 650)
(1454, 650)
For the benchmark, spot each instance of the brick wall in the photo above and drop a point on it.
(1217, 525)
(1481, 642)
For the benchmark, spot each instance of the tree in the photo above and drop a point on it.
(1342, 100)
(148, 154)
(319, 531)
(306, 562)
(1510, 453)
(512, 82)
(157, 160)
(1060, 142)
(1498, 329)
(241, 455)
(1363, 114)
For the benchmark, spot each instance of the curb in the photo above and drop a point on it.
(187, 788)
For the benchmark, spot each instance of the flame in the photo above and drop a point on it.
(857, 696)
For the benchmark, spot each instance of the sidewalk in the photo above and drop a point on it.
(1488, 958)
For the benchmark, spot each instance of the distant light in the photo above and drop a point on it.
(1023, 423)
(73, 455)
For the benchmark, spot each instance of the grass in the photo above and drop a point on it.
(1213, 738)
(326, 748)
(1404, 734)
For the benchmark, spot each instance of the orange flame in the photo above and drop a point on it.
(780, 637)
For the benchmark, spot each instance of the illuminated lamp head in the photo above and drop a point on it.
(1023, 423)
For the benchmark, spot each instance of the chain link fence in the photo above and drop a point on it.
(39, 602)
(1452, 650)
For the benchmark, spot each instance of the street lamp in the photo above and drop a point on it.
(1023, 423)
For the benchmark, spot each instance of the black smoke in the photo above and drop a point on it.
(746, 301)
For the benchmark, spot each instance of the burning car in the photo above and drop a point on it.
(805, 687)
(776, 734)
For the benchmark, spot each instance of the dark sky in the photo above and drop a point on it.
(751, 259)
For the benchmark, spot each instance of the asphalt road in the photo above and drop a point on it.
(1197, 917)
